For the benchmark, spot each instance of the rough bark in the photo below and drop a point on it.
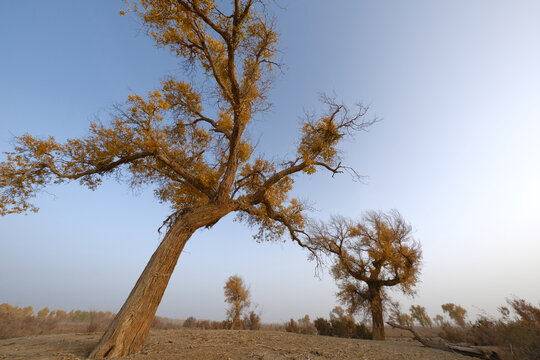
(377, 315)
(128, 331)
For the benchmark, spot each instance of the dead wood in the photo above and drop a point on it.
(460, 349)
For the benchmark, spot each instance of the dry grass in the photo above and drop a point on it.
(513, 336)
(516, 333)
(197, 344)
(17, 322)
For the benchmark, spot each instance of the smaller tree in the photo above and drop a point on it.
(455, 312)
(306, 326)
(369, 255)
(252, 321)
(42, 314)
(419, 314)
(237, 295)
(396, 316)
(439, 320)
(292, 326)
(61, 315)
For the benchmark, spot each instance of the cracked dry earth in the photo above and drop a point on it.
(224, 344)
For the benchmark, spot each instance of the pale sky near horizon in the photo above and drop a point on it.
(456, 84)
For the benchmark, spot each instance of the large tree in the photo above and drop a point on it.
(368, 256)
(189, 143)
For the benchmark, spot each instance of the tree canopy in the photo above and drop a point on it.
(455, 312)
(187, 140)
(419, 314)
(368, 256)
(237, 296)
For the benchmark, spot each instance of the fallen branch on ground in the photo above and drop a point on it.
(464, 350)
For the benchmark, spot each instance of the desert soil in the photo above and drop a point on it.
(222, 344)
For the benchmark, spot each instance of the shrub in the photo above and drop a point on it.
(519, 335)
(190, 323)
(98, 320)
(323, 327)
(361, 331)
(343, 324)
(306, 326)
(292, 326)
(16, 321)
(419, 314)
(456, 313)
(454, 334)
(164, 323)
(252, 321)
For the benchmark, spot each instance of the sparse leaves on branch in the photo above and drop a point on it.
(455, 312)
(368, 256)
(188, 143)
(191, 151)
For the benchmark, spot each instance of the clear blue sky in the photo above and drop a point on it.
(457, 84)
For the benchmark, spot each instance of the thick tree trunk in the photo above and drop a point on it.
(377, 315)
(128, 331)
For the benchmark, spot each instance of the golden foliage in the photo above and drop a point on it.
(419, 314)
(188, 143)
(455, 312)
(237, 295)
(368, 256)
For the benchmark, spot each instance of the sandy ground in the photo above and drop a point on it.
(223, 344)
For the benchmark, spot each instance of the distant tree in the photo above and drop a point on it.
(528, 314)
(42, 314)
(61, 315)
(397, 316)
(7, 310)
(237, 296)
(369, 255)
(190, 143)
(406, 320)
(522, 332)
(419, 314)
(439, 319)
(455, 312)
(28, 311)
(190, 323)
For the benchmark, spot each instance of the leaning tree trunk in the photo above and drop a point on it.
(377, 315)
(128, 331)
